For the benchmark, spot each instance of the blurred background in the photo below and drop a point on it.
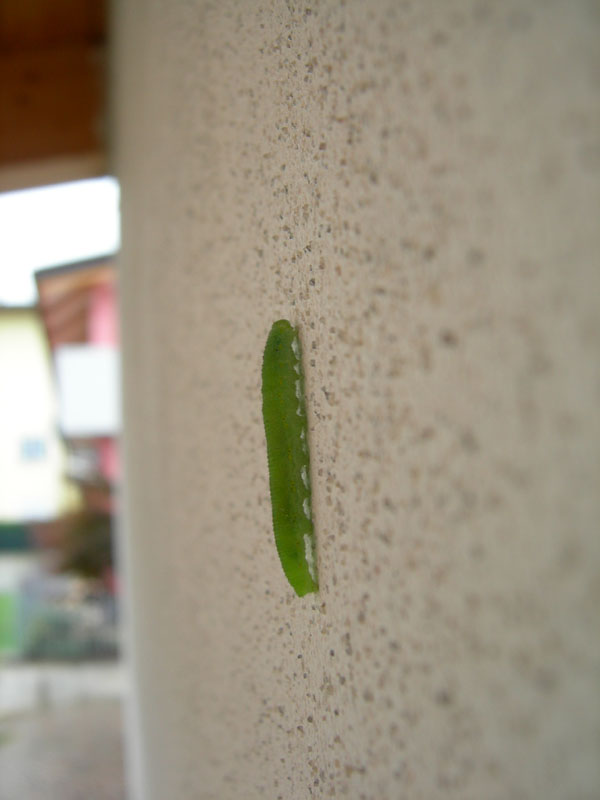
(61, 682)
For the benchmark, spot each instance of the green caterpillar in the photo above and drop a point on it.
(284, 415)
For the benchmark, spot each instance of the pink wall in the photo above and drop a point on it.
(102, 322)
(103, 330)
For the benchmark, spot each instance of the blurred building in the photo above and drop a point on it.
(77, 304)
(33, 482)
(59, 419)
(32, 456)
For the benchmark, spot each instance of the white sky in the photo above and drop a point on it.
(51, 226)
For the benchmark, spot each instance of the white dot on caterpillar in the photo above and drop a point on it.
(298, 389)
(297, 368)
(306, 508)
(309, 555)
(296, 348)
(304, 476)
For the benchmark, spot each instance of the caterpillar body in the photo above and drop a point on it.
(284, 415)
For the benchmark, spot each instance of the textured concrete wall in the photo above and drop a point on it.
(415, 184)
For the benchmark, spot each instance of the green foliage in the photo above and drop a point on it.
(87, 548)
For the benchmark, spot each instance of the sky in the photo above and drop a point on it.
(51, 226)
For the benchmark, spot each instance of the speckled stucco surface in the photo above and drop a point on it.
(416, 185)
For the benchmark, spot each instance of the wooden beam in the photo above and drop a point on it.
(51, 103)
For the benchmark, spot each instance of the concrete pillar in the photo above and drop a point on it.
(416, 185)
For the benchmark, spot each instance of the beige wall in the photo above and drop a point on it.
(417, 186)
